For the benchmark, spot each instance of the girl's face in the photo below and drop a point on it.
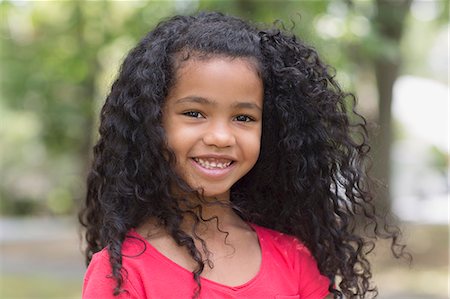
(213, 118)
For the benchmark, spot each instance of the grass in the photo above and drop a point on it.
(38, 287)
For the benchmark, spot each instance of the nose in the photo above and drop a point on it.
(220, 135)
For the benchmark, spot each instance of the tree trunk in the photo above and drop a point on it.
(389, 24)
(386, 74)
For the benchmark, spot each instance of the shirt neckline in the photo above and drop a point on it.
(206, 281)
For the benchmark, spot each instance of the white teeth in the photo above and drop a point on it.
(212, 165)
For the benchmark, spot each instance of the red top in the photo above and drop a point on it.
(287, 271)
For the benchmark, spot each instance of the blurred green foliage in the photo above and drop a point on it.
(58, 59)
(39, 287)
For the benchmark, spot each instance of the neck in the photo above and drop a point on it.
(215, 215)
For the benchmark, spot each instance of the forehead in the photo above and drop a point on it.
(189, 57)
(218, 79)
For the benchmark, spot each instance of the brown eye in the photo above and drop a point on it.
(193, 114)
(244, 118)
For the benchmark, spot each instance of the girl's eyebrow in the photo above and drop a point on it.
(246, 105)
(195, 99)
(201, 100)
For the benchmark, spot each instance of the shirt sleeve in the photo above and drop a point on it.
(313, 285)
(98, 282)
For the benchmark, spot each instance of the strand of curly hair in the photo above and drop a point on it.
(310, 179)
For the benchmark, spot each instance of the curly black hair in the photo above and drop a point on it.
(310, 179)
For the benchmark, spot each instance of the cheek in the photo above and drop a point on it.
(177, 137)
(252, 147)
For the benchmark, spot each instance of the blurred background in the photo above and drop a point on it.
(59, 58)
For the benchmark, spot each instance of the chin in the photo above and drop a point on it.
(219, 194)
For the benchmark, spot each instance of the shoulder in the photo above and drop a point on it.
(285, 242)
(98, 280)
(290, 251)
(290, 247)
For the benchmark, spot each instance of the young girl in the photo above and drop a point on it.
(227, 167)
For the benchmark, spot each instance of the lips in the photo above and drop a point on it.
(213, 163)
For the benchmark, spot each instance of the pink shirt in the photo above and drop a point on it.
(287, 271)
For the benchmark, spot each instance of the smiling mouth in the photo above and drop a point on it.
(213, 163)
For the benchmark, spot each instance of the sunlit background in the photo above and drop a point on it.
(58, 59)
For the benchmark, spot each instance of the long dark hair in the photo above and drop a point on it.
(309, 181)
